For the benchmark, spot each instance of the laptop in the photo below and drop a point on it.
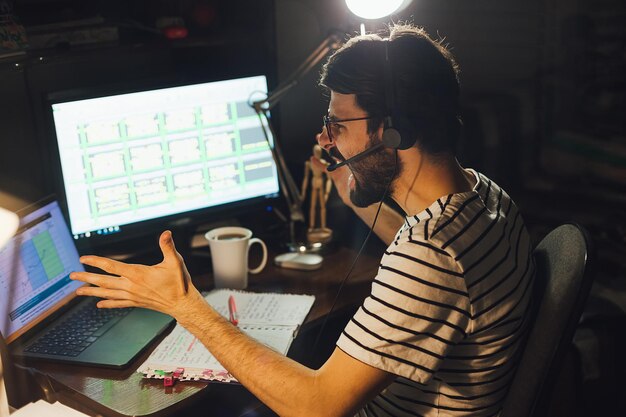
(40, 315)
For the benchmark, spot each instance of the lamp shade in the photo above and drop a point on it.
(375, 9)
(8, 225)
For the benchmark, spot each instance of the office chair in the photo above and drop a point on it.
(564, 261)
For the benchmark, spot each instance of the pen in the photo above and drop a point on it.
(232, 310)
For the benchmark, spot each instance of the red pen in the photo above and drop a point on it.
(232, 310)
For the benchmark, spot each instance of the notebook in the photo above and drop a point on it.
(272, 319)
(40, 315)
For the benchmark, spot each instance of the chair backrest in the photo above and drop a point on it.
(564, 261)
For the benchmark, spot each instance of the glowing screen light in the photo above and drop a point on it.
(375, 9)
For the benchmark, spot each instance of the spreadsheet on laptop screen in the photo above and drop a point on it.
(34, 270)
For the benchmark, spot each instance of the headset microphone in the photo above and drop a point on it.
(356, 157)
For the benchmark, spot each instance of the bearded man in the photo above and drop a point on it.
(441, 331)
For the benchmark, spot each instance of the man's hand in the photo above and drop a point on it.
(164, 287)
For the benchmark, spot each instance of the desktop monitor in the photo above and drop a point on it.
(135, 162)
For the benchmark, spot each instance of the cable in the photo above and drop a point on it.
(345, 279)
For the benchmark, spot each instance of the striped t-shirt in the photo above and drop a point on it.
(448, 307)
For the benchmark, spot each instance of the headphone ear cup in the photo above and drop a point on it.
(391, 138)
(398, 133)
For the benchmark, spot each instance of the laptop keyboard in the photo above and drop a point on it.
(82, 328)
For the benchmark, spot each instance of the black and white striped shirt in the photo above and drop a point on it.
(448, 308)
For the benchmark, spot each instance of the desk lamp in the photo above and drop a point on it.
(297, 257)
(8, 225)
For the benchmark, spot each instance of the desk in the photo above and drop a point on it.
(126, 393)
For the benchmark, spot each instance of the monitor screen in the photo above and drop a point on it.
(134, 157)
(35, 269)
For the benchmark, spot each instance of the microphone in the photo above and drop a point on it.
(356, 157)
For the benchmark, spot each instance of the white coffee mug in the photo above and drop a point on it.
(229, 254)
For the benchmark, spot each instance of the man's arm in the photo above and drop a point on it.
(389, 221)
(338, 388)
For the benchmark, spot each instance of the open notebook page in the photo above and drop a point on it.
(271, 319)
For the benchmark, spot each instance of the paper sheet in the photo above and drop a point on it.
(263, 308)
(43, 408)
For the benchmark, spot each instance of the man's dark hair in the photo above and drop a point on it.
(425, 76)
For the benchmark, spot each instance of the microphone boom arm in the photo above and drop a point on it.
(356, 157)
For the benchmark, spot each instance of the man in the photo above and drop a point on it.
(441, 330)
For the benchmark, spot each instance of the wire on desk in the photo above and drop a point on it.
(345, 279)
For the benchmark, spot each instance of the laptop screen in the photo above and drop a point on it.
(34, 270)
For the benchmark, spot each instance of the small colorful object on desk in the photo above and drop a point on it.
(178, 373)
(170, 377)
(232, 311)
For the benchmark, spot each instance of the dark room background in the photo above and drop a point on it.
(543, 99)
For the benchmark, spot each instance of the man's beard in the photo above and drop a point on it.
(372, 175)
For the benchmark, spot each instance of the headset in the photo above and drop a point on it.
(398, 131)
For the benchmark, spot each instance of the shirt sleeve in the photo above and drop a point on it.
(417, 311)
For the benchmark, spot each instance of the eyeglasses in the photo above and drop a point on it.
(329, 122)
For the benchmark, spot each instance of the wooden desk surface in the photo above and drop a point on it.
(126, 393)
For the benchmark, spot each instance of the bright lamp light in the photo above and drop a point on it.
(375, 9)
(8, 225)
